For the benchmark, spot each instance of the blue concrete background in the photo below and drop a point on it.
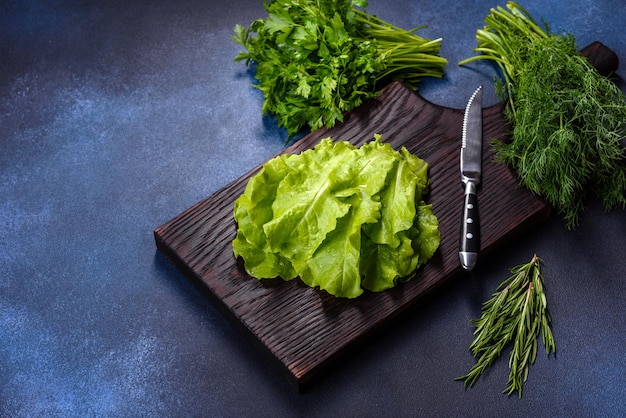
(115, 116)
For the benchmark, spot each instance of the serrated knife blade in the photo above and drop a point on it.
(471, 171)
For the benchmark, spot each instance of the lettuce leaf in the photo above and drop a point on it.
(341, 218)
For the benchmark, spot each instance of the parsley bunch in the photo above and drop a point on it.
(317, 59)
(567, 119)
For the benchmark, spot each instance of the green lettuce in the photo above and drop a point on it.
(339, 217)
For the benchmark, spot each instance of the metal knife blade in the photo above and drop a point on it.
(471, 171)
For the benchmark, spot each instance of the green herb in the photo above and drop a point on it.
(341, 218)
(317, 59)
(517, 313)
(567, 119)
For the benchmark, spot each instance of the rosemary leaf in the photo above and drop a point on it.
(515, 315)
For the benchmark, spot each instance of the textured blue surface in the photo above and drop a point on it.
(115, 116)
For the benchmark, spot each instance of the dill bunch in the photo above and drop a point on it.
(567, 120)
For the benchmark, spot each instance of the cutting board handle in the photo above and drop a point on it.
(603, 58)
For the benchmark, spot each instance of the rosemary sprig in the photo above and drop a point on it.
(517, 313)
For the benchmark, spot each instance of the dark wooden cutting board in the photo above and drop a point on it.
(301, 330)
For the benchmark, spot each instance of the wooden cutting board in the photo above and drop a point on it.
(303, 331)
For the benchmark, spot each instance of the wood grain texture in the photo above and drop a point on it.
(301, 330)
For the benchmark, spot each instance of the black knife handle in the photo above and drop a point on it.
(469, 240)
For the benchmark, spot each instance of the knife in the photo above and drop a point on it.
(471, 170)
